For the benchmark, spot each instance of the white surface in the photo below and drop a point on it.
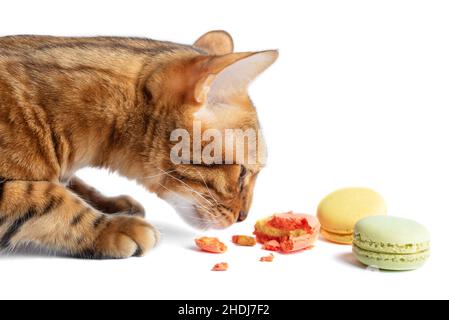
(359, 96)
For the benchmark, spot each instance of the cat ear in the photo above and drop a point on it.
(217, 42)
(231, 74)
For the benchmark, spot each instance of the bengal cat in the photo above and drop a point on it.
(106, 102)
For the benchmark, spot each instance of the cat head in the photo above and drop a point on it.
(207, 140)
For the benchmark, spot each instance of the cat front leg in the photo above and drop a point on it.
(49, 215)
(112, 205)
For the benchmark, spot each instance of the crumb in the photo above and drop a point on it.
(221, 267)
(211, 245)
(246, 241)
(268, 258)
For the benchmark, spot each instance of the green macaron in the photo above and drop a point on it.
(391, 243)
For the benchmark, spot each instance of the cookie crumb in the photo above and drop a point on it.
(245, 241)
(223, 266)
(268, 258)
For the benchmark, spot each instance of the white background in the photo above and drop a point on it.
(358, 97)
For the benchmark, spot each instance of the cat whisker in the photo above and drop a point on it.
(157, 175)
(217, 203)
(207, 207)
(194, 205)
(207, 187)
(202, 196)
(190, 188)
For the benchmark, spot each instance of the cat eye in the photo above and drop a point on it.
(243, 172)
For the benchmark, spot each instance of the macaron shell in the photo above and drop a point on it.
(341, 210)
(394, 262)
(337, 238)
(364, 242)
(391, 243)
(391, 235)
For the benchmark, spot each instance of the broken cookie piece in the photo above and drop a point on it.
(268, 258)
(223, 266)
(287, 232)
(211, 245)
(245, 241)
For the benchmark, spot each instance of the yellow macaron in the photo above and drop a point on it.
(339, 212)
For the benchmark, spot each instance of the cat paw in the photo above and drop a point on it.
(127, 205)
(125, 237)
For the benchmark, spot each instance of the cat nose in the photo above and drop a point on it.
(242, 216)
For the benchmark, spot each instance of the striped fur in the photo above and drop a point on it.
(37, 218)
(106, 102)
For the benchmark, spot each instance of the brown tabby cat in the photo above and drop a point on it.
(69, 103)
